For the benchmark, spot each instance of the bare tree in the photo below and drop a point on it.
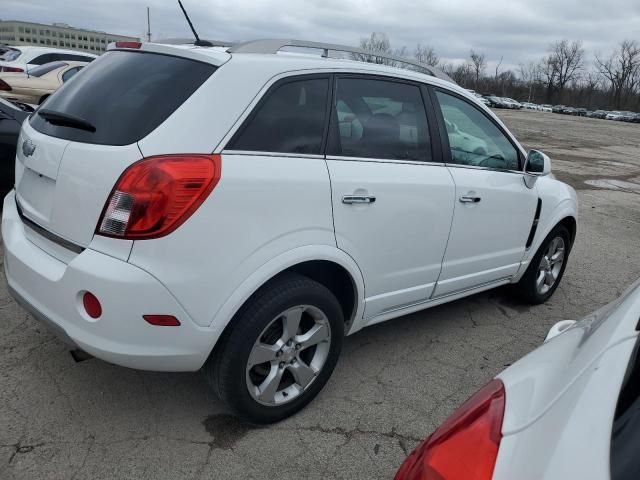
(498, 65)
(621, 70)
(566, 60)
(530, 75)
(426, 54)
(478, 64)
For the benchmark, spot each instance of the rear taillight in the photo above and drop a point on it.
(11, 69)
(466, 445)
(4, 86)
(156, 195)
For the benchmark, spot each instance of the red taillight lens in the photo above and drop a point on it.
(156, 195)
(4, 86)
(128, 44)
(465, 446)
(162, 320)
(91, 305)
(11, 69)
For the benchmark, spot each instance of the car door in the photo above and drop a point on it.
(392, 196)
(494, 209)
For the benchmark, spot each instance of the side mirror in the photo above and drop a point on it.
(558, 328)
(537, 165)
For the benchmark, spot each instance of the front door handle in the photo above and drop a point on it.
(350, 199)
(469, 199)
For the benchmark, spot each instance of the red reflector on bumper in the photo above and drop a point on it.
(162, 320)
(91, 305)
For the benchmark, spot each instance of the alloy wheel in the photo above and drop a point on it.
(550, 265)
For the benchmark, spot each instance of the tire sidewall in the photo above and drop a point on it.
(531, 275)
(252, 323)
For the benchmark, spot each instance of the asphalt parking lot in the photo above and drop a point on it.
(394, 383)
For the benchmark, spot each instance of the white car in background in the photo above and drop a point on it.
(570, 409)
(243, 210)
(21, 59)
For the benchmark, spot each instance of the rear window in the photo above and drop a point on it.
(625, 438)
(124, 96)
(46, 68)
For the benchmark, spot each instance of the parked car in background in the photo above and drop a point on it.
(635, 118)
(580, 112)
(570, 409)
(36, 86)
(615, 115)
(546, 107)
(21, 59)
(511, 103)
(597, 114)
(128, 235)
(629, 117)
(558, 108)
(568, 111)
(11, 118)
(496, 102)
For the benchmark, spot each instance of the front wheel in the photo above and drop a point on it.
(280, 350)
(546, 268)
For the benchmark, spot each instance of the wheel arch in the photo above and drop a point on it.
(325, 264)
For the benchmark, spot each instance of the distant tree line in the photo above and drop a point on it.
(565, 74)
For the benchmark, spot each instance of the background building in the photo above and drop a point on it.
(60, 35)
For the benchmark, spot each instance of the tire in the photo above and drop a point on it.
(528, 288)
(262, 319)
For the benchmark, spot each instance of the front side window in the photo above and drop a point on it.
(290, 120)
(474, 139)
(379, 119)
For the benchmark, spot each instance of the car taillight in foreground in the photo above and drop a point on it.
(4, 86)
(156, 195)
(466, 445)
(11, 69)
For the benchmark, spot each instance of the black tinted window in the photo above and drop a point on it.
(290, 120)
(625, 438)
(45, 58)
(124, 95)
(379, 119)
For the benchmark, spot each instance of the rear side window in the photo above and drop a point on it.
(290, 120)
(379, 119)
(124, 96)
(66, 76)
(42, 59)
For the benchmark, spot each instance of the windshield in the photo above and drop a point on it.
(46, 68)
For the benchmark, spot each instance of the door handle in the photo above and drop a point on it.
(469, 199)
(350, 199)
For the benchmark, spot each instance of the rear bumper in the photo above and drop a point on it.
(51, 291)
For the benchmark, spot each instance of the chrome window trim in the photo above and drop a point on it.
(271, 154)
(477, 167)
(383, 160)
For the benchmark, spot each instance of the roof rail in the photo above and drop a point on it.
(190, 41)
(358, 54)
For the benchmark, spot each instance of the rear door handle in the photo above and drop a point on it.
(469, 199)
(350, 199)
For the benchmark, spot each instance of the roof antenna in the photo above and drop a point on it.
(198, 42)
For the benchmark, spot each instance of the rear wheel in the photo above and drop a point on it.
(546, 268)
(280, 350)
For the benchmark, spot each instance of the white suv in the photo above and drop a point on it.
(241, 210)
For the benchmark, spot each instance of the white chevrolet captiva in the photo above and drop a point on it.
(242, 209)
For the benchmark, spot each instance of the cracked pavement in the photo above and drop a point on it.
(394, 384)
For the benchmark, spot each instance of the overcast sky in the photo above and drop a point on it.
(519, 30)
